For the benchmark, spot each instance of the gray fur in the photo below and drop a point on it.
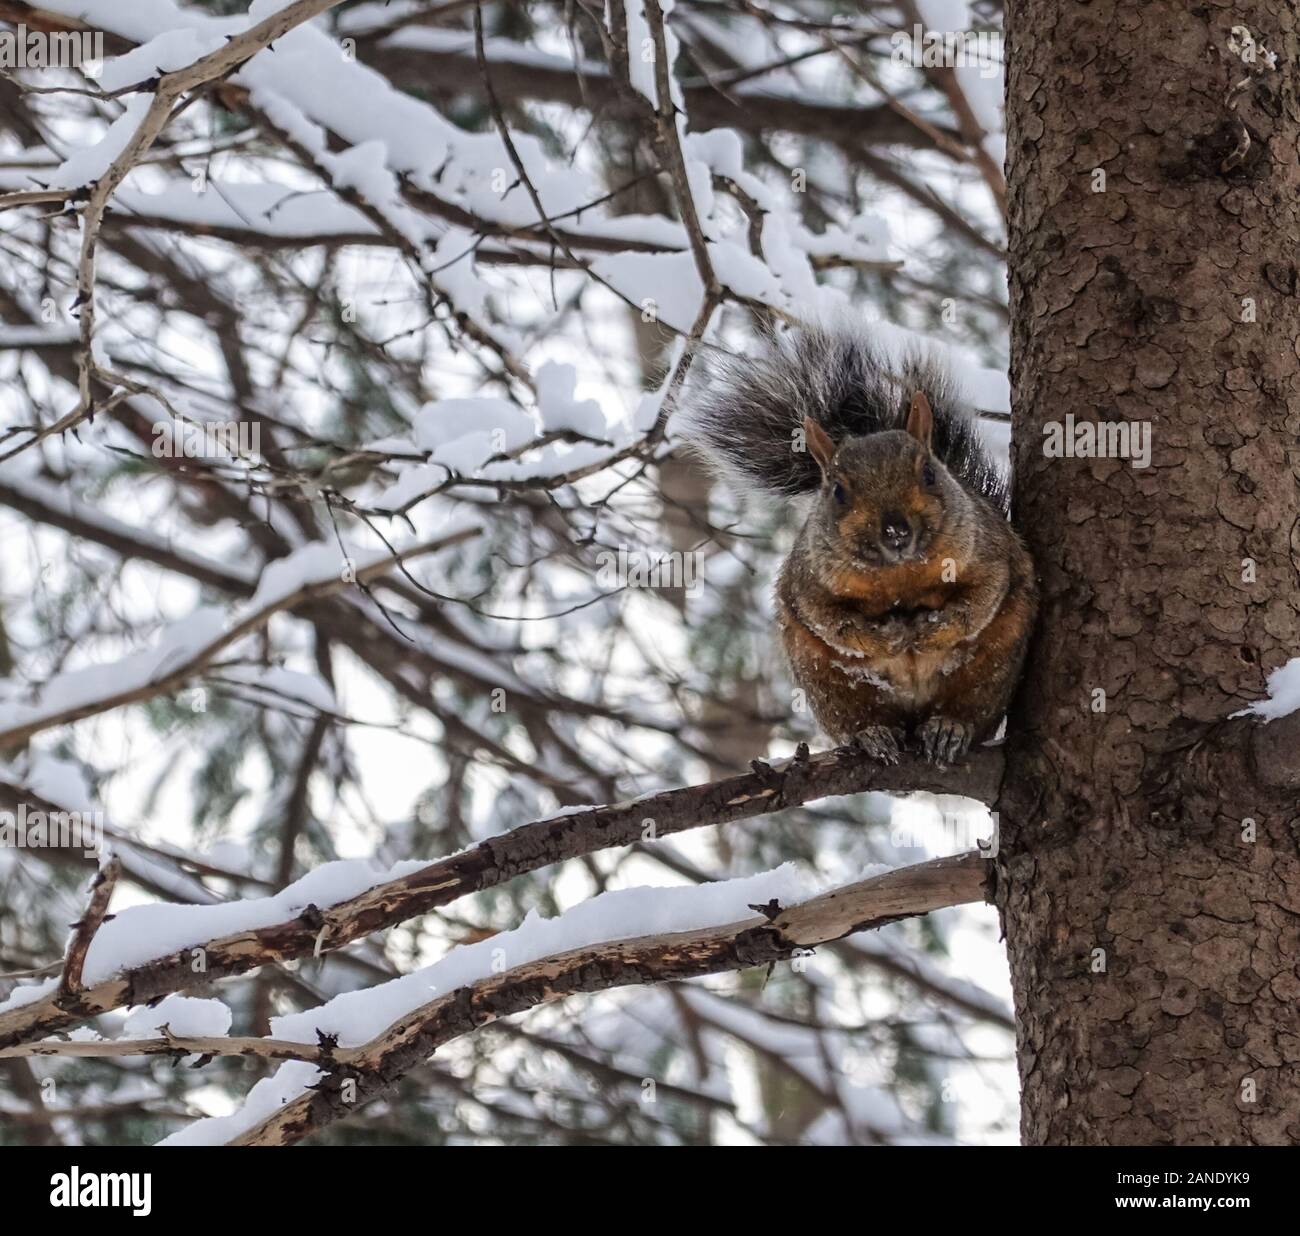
(741, 414)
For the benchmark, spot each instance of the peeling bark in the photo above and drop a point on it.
(1169, 297)
(527, 848)
(355, 1076)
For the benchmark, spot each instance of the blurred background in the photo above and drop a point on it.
(338, 250)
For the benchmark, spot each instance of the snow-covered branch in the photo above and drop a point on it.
(190, 647)
(150, 951)
(447, 269)
(139, 127)
(699, 939)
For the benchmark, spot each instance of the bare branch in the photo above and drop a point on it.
(101, 892)
(670, 151)
(752, 110)
(167, 1044)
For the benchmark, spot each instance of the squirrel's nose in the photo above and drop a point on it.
(895, 531)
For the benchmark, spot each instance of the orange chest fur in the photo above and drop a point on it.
(877, 592)
(912, 679)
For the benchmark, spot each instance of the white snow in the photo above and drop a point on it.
(166, 52)
(640, 49)
(465, 430)
(90, 163)
(186, 1016)
(1283, 693)
(356, 1017)
(36, 336)
(266, 1098)
(139, 934)
(560, 410)
(284, 684)
(269, 209)
(178, 644)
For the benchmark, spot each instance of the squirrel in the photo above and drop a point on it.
(906, 603)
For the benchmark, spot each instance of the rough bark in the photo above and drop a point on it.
(1125, 832)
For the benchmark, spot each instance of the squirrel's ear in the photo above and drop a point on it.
(819, 443)
(920, 419)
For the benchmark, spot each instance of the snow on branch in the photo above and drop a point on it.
(188, 647)
(360, 1044)
(150, 951)
(364, 1042)
(130, 139)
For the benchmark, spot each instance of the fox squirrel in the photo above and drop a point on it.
(907, 601)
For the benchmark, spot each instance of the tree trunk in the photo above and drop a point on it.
(1148, 877)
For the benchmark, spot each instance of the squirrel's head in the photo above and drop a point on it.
(884, 497)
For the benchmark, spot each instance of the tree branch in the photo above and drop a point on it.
(195, 660)
(363, 1073)
(752, 110)
(167, 1044)
(170, 87)
(768, 788)
(101, 892)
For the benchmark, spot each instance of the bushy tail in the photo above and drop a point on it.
(742, 412)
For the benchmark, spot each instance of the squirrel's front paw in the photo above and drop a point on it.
(879, 742)
(944, 741)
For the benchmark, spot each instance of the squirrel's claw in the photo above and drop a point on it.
(879, 742)
(943, 740)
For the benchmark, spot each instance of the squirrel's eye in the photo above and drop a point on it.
(837, 492)
(927, 476)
